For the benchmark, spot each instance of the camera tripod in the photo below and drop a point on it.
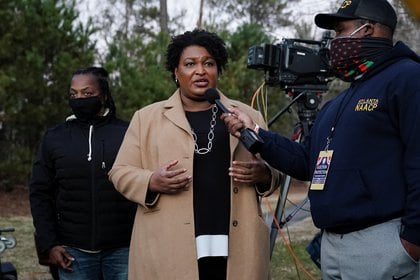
(307, 100)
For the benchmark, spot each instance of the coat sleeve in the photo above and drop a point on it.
(127, 173)
(42, 192)
(286, 155)
(276, 176)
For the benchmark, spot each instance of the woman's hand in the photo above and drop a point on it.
(250, 172)
(167, 179)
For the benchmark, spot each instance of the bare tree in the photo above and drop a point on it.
(270, 14)
(200, 15)
(163, 17)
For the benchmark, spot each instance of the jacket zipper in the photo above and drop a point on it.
(103, 165)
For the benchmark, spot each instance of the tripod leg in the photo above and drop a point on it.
(281, 202)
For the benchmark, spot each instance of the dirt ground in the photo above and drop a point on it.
(15, 202)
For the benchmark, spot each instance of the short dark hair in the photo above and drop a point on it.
(101, 76)
(199, 37)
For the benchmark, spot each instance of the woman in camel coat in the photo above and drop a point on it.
(156, 168)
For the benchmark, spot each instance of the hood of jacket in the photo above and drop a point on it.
(396, 53)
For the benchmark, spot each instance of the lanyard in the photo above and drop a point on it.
(341, 107)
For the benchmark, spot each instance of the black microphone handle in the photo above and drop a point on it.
(249, 138)
(221, 106)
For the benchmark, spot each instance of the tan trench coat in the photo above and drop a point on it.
(163, 242)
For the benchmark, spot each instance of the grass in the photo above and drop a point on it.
(286, 267)
(23, 256)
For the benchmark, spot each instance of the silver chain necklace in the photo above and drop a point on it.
(210, 135)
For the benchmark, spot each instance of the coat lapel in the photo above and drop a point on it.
(175, 112)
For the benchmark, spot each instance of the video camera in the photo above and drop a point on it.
(293, 62)
(300, 67)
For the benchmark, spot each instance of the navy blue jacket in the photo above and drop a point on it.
(72, 200)
(375, 170)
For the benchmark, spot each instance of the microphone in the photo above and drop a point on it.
(248, 137)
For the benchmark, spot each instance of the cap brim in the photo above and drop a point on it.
(327, 21)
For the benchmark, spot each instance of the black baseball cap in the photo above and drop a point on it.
(375, 10)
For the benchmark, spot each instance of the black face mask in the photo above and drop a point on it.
(351, 57)
(86, 108)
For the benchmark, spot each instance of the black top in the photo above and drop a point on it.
(211, 176)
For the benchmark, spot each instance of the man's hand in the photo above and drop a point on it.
(412, 249)
(236, 120)
(60, 257)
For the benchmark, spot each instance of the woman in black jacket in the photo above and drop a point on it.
(83, 225)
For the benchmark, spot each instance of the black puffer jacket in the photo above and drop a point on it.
(72, 201)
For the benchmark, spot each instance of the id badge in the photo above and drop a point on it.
(321, 170)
